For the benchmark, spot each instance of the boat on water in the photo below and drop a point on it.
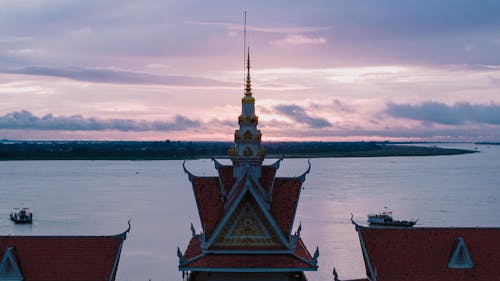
(385, 219)
(21, 215)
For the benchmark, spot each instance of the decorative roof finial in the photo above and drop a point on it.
(248, 86)
(179, 255)
(299, 229)
(314, 260)
(335, 275)
(193, 231)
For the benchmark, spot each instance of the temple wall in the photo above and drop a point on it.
(247, 276)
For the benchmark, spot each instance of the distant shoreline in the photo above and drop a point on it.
(488, 143)
(178, 150)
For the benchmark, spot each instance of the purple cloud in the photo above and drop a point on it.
(299, 114)
(24, 120)
(440, 113)
(103, 75)
(297, 39)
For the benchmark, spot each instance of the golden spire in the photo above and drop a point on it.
(248, 86)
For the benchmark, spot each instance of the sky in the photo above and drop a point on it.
(411, 70)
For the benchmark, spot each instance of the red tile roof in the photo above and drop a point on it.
(285, 199)
(403, 254)
(226, 176)
(194, 248)
(259, 190)
(208, 199)
(301, 251)
(235, 192)
(266, 179)
(194, 260)
(285, 196)
(267, 176)
(58, 258)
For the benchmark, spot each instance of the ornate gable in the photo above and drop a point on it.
(9, 270)
(247, 228)
(460, 257)
(247, 201)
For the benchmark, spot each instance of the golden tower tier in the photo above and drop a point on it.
(247, 153)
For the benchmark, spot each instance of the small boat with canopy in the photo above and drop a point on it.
(385, 219)
(21, 215)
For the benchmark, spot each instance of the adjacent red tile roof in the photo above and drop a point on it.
(299, 259)
(64, 258)
(208, 199)
(403, 254)
(285, 199)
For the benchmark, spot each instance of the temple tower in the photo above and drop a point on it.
(247, 214)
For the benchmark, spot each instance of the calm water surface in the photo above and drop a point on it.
(98, 197)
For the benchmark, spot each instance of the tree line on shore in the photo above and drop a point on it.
(165, 150)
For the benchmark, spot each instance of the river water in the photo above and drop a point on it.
(98, 197)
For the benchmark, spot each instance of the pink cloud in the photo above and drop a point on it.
(297, 39)
(265, 29)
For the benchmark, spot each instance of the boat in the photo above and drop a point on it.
(21, 215)
(385, 219)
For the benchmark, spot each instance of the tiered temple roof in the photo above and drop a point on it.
(247, 212)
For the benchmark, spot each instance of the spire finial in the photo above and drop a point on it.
(248, 86)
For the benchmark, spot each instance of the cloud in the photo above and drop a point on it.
(297, 39)
(15, 39)
(24, 120)
(336, 106)
(299, 114)
(340, 106)
(109, 75)
(440, 113)
(272, 29)
(101, 32)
